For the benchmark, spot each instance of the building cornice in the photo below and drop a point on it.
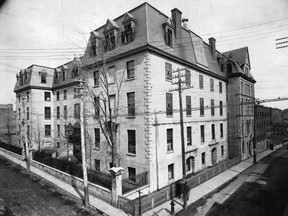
(238, 74)
(152, 49)
(32, 87)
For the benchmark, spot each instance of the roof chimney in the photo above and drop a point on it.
(212, 43)
(185, 23)
(176, 16)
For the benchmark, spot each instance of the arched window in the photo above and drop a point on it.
(190, 164)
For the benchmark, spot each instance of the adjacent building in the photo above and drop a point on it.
(241, 102)
(263, 127)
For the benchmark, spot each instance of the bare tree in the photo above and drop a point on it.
(105, 98)
(36, 135)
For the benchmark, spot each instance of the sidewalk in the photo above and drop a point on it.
(208, 186)
(95, 202)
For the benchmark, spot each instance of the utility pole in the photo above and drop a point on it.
(254, 137)
(27, 153)
(180, 89)
(83, 146)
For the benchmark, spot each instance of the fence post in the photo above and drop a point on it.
(135, 210)
(152, 202)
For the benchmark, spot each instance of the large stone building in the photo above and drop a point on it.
(241, 101)
(130, 67)
(34, 105)
(8, 129)
(263, 127)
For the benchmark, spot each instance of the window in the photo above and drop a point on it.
(65, 94)
(130, 69)
(220, 87)
(112, 99)
(169, 104)
(27, 95)
(187, 78)
(27, 113)
(242, 129)
(203, 158)
(77, 92)
(211, 85)
(19, 113)
(96, 78)
(169, 139)
(188, 106)
(111, 75)
(77, 111)
(201, 84)
(63, 74)
(47, 96)
(168, 36)
(221, 108)
(47, 112)
(213, 131)
(97, 165)
(75, 71)
(168, 71)
(58, 130)
(212, 107)
(170, 172)
(28, 130)
(201, 106)
(202, 129)
(58, 95)
(47, 130)
(128, 34)
(96, 106)
(132, 174)
(43, 77)
(221, 130)
(58, 112)
(109, 41)
(189, 135)
(131, 103)
(222, 151)
(97, 137)
(93, 46)
(131, 141)
(65, 112)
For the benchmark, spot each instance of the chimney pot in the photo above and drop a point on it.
(185, 23)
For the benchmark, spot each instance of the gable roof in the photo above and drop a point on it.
(238, 55)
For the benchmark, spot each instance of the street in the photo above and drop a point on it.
(24, 193)
(260, 190)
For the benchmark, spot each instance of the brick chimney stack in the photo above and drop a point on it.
(212, 43)
(177, 19)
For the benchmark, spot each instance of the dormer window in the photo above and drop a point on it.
(110, 41)
(43, 75)
(94, 42)
(246, 71)
(168, 32)
(127, 35)
(168, 37)
(64, 69)
(56, 76)
(110, 32)
(93, 47)
(75, 71)
(25, 77)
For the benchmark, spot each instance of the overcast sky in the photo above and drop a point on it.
(50, 32)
